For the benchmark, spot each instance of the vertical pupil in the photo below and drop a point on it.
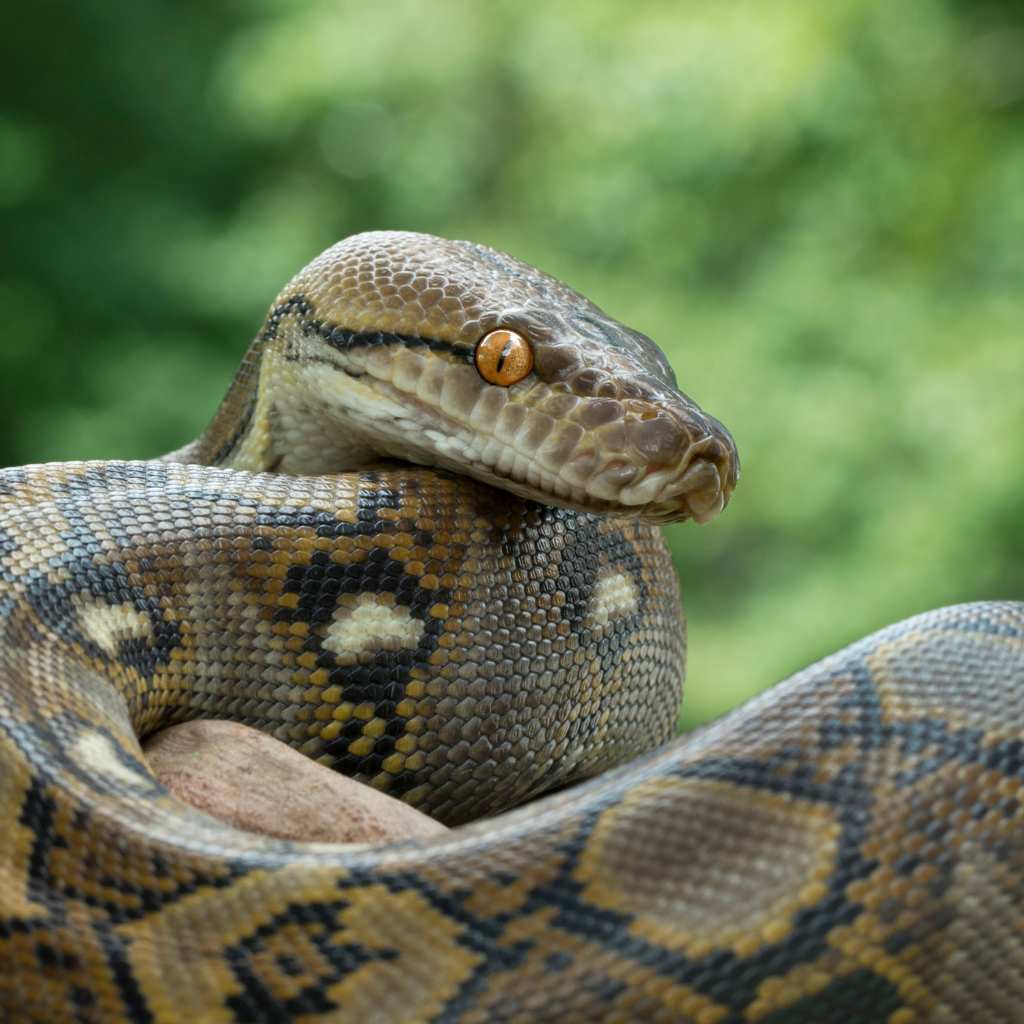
(505, 353)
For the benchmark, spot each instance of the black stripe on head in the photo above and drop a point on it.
(343, 339)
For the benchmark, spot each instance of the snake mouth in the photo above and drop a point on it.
(640, 466)
(696, 485)
(697, 488)
(662, 460)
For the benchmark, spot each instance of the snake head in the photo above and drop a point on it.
(374, 350)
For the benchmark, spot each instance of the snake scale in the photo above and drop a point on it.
(419, 541)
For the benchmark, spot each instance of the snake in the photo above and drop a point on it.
(420, 542)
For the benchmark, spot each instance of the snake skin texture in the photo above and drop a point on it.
(496, 623)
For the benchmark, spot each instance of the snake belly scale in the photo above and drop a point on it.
(456, 590)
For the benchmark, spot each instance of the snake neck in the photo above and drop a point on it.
(271, 422)
(234, 425)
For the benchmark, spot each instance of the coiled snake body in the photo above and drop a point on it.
(848, 847)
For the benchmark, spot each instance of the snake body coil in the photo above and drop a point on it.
(849, 847)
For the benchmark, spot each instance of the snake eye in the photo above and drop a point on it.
(503, 357)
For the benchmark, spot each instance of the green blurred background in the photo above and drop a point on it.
(816, 209)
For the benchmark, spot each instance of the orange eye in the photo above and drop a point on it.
(503, 357)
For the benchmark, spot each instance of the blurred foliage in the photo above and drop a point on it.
(816, 209)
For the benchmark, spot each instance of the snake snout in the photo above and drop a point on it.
(705, 487)
(710, 476)
(691, 468)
